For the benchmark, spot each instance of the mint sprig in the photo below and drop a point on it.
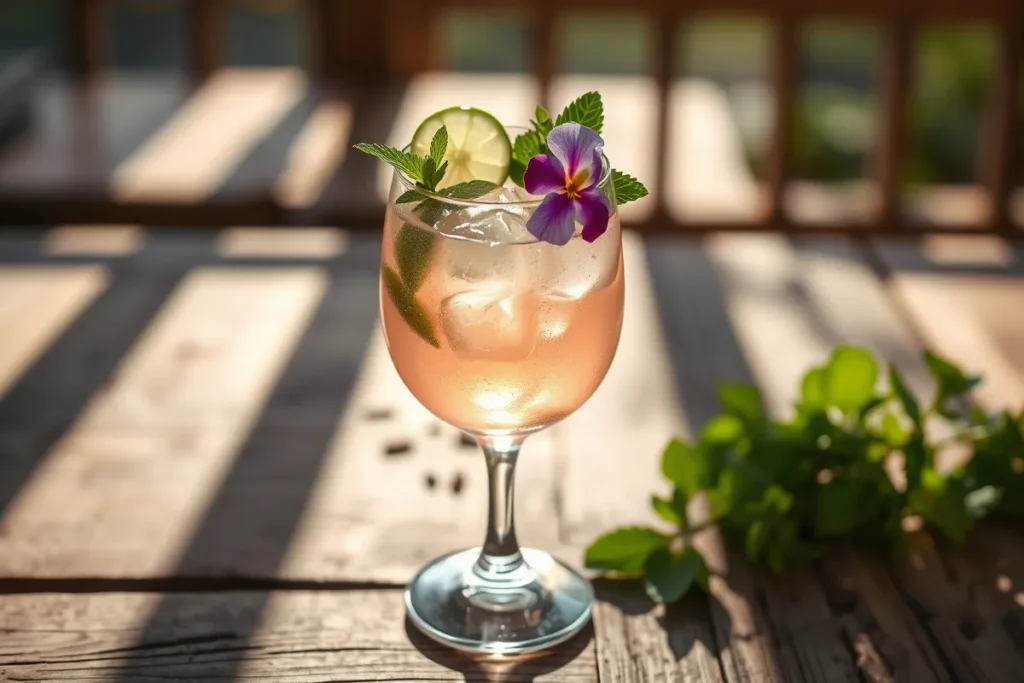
(781, 490)
(586, 110)
(426, 171)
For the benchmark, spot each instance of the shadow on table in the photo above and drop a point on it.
(504, 669)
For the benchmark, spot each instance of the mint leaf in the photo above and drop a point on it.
(626, 187)
(725, 429)
(917, 457)
(470, 189)
(405, 303)
(839, 506)
(542, 122)
(526, 146)
(413, 248)
(586, 110)
(410, 164)
(850, 378)
(892, 430)
(691, 469)
(439, 145)
(813, 388)
(741, 400)
(625, 550)
(906, 399)
(668, 577)
(408, 196)
(672, 510)
(950, 380)
(941, 502)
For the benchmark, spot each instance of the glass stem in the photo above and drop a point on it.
(500, 558)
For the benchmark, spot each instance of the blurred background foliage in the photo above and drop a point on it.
(835, 126)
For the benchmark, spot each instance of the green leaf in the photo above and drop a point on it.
(516, 171)
(430, 211)
(917, 457)
(742, 400)
(413, 249)
(850, 378)
(812, 388)
(543, 122)
(439, 145)
(408, 196)
(627, 188)
(668, 577)
(723, 429)
(470, 189)
(527, 145)
(691, 469)
(586, 110)
(411, 311)
(625, 550)
(941, 502)
(672, 510)
(410, 164)
(429, 166)
(872, 403)
(840, 506)
(438, 175)
(892, 430)
(950, 381)
(906, 399)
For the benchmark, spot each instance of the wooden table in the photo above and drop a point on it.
(210, 471)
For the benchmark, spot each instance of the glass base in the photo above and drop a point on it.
(532, 608)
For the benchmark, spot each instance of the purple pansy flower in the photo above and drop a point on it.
(569, 177)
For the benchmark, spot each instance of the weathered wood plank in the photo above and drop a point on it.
(36, 304)
(947, 592)
(179, 405)
(282, 243)
(94, 240)
(963, 315)
(640, 643)
(891, 643)
(192, 155)
(303, 636)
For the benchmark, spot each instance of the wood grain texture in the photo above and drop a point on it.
(638, 642)
(150, 449)
(297, 636)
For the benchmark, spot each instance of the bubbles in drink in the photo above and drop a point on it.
(491, 321)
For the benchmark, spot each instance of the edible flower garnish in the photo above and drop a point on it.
(568, 175)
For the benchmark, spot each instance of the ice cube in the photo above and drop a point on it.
(482, 247)
(490, 224)
(579, 267)
(490, 321)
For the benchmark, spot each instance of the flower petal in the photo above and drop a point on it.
(544, 174)
(579, 149)
(554, 220)
(593, 211)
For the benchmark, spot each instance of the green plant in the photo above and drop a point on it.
(782, 489)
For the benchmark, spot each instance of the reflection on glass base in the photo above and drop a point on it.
(542, 604)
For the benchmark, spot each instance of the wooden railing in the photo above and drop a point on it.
(374, 40)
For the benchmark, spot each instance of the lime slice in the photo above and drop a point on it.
(478, 146)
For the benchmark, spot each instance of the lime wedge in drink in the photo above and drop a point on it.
(478, 146)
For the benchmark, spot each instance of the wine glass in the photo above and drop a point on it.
(499, 335)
